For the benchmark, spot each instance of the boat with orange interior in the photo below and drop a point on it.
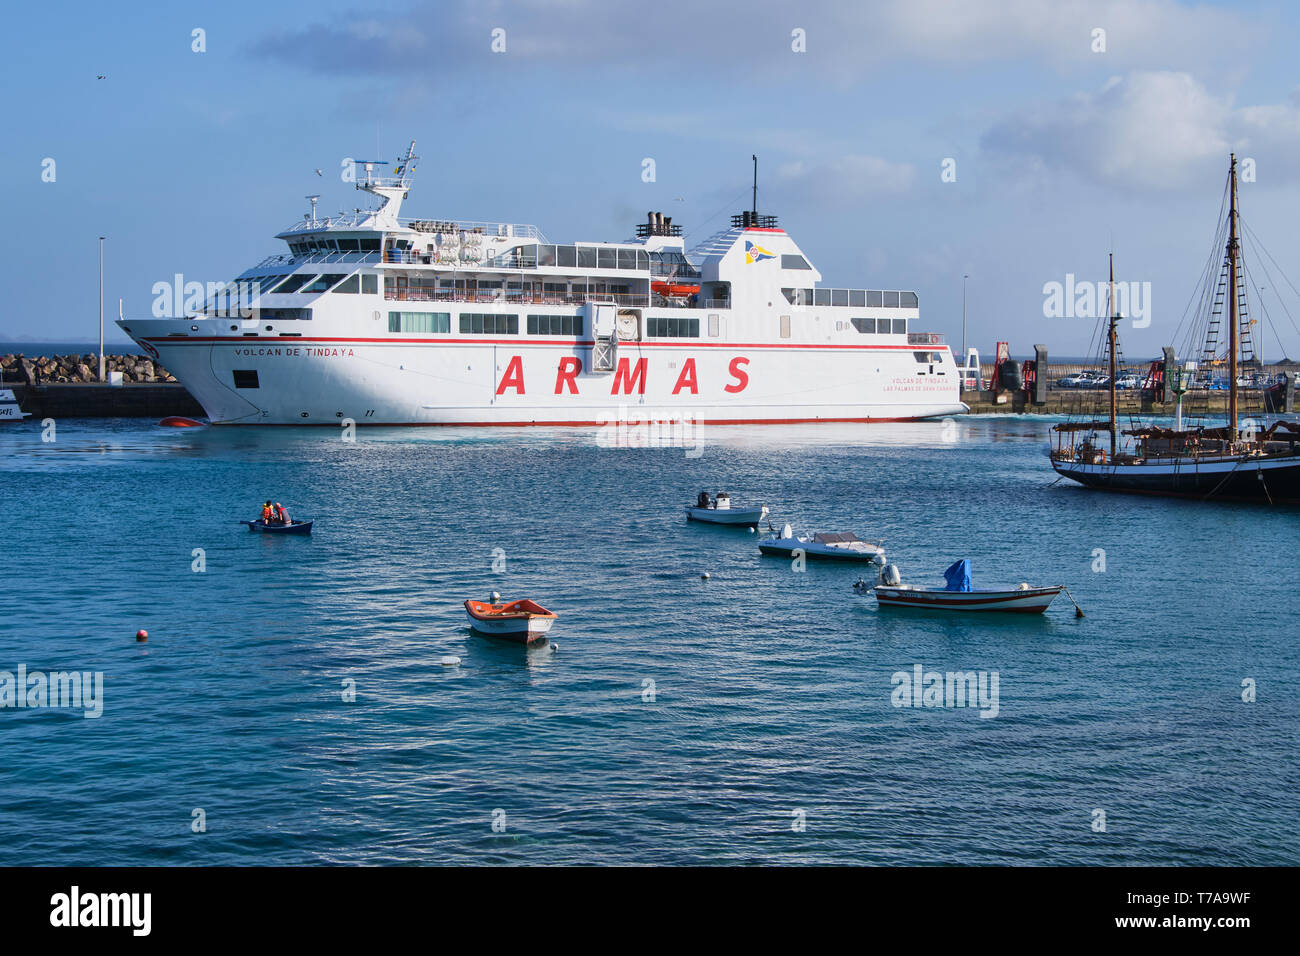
(524, 621)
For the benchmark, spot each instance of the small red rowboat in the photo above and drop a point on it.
(524, 621)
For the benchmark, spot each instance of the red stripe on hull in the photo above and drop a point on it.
(587, 424)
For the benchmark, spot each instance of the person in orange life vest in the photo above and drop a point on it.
(267, 513)
(281, 516)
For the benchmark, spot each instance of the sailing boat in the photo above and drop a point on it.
(1221, 463)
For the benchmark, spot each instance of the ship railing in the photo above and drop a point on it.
(515, 298)
(853, 298)
(716, 304)
(284, 259)
(518, 230)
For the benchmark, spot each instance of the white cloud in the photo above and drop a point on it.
(844, 178)
(1148, 130)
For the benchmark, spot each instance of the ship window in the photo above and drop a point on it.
(322, 282)
(794, 262)
(907, 300)
(555, 325)
(370, 245)
(566, 256)
(606, 259)
(785, 326)
(245, 378)
(488, 323)
(627, 259)
(857, 298)
(839, 297)
(294, 282)
(419, 321)
(369, 284)
(821, 297)
(891, 300)
(663, 327)
(714, 324)
(286, 315)
(642, 259)
(900, 326)
(349, 245)
(586, 257)
(875, 300)
(922, 357)
(867, 326)
(351, 285)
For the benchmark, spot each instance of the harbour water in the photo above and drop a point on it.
(747, 718)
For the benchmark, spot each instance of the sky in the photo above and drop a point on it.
(1060, 144)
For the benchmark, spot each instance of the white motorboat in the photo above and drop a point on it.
(718, 510)
(826, 545)
(958, 595)
(9, 410)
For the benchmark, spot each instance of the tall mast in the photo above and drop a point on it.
(754, 209)
(1114, 317)
(1233, 331)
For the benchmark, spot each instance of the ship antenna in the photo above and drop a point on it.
(754, 209)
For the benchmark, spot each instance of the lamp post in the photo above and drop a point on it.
(963, 318)
(101, 308)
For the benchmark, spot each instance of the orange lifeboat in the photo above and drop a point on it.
(676, 290)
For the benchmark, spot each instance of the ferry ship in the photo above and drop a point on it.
(375, 319)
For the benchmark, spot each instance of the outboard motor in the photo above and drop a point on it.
(889, 576)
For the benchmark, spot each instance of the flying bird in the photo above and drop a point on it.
(101, 76)
(319, 173)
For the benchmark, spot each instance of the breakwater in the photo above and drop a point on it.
(19, 369)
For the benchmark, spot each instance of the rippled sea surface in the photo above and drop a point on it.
(746, 718)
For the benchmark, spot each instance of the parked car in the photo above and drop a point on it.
(1128, 381)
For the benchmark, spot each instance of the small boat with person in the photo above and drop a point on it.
(524, 621)
(826, 545)
(271, 527)
(718, 510)
(958, 594)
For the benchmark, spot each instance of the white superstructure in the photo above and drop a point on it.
(385, 320)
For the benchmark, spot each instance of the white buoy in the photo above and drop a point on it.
(751, 529)
(554, 647)
(450, 660)
(704, 576)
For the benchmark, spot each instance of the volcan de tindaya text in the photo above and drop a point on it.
(382, 320)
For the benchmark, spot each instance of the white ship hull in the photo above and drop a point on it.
(307, 381)
(387, 321)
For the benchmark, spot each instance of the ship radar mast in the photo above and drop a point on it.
(750, 219)
(390, 189)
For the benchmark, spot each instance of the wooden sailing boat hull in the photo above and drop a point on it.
(1273, 480)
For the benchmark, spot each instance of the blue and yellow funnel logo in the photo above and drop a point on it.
(756, 253)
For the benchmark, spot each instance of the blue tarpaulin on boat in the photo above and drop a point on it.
(958, 576)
